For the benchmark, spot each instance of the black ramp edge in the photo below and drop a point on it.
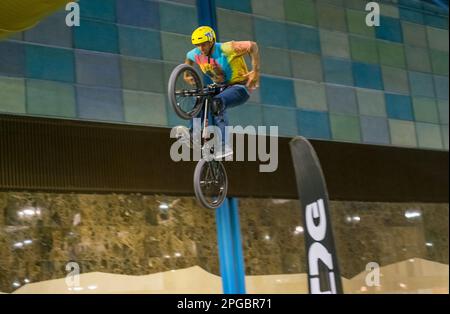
(323, 267)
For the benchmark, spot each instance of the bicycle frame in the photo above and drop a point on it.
(207, 93)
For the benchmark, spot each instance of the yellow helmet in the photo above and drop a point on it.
(202, 35)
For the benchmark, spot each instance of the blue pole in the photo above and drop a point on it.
(225, 246)
(237, 245)
(206, 12)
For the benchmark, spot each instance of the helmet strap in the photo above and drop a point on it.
(210, 50)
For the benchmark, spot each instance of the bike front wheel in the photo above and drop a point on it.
(184, 83)
(210, 183)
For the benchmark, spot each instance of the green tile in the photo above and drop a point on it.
(143, 75)
(425, 110)
(310, 95)
(444, 133)
(439, 62)
(331, 17)
(51, 99)
(145, 108)
(359, 5)
(306, 66)
(357, 23)
(275, 61)
(175, 47)
(371, 103)
(429, 135)
(395, 80)
(403, 133)
(333, 2)
(334, 44)
(389, 10)
(235, 25)
(443, 110)
(414, 34)
(12, 95)
(437, 38)
(300, 11)
(418, 59)
(269, 8)
(345, 128)
(363, 49)
(391, 54)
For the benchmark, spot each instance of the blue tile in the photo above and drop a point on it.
(177, 18)
(338, 71)
(367, 75)
(313, 124)
(284, 118)
(138, 13)
(389, 29)
(421, 84)
(245, 115)
(399, 107)
(99, 104)
(275, 91)
(51, 32)
(50, 63)
(12, 58)
(96, 36)
(236, 5)
(411, 15)
(303, 38)
(98, 9)
(270, 34)
(375, 130)
(441, 85)
(436, 21)
(410, 4)
(342, 100)
(139, 42)
(98, 69)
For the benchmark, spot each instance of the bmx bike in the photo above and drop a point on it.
(188, 99)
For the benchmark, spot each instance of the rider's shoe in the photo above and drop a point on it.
(226, 152)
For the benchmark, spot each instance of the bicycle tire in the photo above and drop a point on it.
(177, 71)
(198, 189)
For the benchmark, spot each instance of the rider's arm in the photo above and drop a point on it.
(188, 78)
(250, 48)
(189, 61)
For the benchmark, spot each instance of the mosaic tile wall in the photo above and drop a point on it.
(325, 74)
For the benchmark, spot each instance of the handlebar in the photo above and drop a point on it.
(209, 90)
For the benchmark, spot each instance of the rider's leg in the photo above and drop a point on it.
(233, 96)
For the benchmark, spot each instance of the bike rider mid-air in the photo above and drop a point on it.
(224, 63)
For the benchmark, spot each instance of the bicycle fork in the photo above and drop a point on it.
(205, 124)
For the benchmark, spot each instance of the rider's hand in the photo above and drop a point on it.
(252, 80)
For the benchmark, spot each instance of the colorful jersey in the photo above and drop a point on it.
(226, 64)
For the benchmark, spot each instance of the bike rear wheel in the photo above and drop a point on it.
(210, 183)
(180, 92)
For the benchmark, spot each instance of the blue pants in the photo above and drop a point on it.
(232, 96)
